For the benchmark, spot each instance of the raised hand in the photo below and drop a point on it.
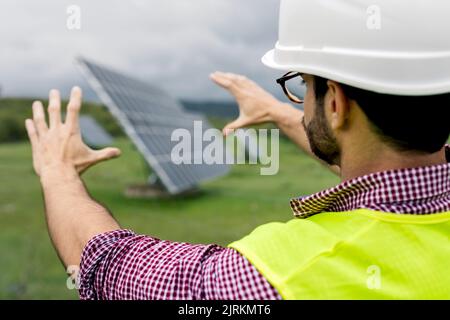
(60, 143)
(255, 103)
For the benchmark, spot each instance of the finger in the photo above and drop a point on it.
(54, 108)
(73, 108)
(221, 79)
(230, 81)
(32, 133)
(34, 139)
(234, 76)
(229, 75)
(106, 154)
(232, 126)
(39, 118)
(99, 156)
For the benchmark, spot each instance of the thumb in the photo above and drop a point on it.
(236, 124)
(224, 80)
(98, 156)
(106, 154)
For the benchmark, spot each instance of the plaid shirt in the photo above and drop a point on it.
(123, 265)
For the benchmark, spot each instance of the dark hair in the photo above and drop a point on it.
(408, 123)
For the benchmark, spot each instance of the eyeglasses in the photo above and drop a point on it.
(292, 88)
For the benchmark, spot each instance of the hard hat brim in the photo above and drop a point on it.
(384, 84)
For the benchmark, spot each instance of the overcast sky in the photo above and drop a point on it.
(173, 43)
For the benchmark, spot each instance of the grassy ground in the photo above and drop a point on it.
(228, 209)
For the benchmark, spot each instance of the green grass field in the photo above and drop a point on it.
(229, 208)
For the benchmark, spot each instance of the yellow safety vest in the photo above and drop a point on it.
(360, 254)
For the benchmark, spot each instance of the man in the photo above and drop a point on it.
(382, 233)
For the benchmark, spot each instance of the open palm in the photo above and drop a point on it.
(254, 102)
(61, 142)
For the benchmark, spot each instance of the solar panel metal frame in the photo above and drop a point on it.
(129, 129)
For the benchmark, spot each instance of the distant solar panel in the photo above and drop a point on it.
(93, 134)
(149, 115)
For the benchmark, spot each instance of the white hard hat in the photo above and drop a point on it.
(399, 47)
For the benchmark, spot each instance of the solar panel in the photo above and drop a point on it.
(149, 115)
(93, 134)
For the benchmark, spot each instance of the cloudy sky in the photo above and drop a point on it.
(173, 43)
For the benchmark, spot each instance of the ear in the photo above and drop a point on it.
(338, 105)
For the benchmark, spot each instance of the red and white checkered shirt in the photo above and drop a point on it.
(123, 265)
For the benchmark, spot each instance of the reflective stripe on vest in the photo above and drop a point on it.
(360, 254)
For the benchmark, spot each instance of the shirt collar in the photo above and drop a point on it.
(412, 190)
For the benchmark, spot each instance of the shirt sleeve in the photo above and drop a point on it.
(122, 265)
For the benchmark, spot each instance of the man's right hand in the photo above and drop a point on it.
(255, 103)
(256, 106)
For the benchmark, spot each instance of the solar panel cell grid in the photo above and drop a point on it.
(149, 116)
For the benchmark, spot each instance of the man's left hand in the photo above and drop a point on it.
(60, 144)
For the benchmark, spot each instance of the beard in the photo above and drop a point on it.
(321, 139)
